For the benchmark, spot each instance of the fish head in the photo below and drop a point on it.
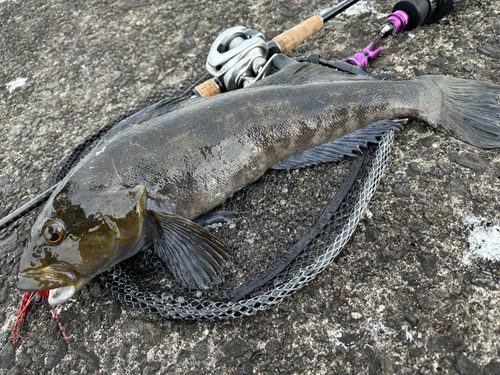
(77, 236)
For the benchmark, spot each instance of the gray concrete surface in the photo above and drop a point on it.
(404, 297)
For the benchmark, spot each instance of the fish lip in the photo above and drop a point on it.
(56, 275)
(61, 295)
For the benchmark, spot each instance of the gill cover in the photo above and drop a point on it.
(123, 210)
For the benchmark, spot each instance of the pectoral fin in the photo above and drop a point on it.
(194, 256)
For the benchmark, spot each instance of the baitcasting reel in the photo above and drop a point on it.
(239, 56)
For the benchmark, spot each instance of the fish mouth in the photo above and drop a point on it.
(54, 276)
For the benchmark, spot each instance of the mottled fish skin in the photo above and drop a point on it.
(194, 158)
(183, 163)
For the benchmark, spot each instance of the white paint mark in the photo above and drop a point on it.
(18, 82)
(335, 340)
(378, 329)
(408, 334)
(484, 239)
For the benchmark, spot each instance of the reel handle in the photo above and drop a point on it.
(290, 39)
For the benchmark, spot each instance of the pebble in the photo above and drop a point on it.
(465, 366)
(283, 202)
(401, 191)
(200, 350)
(386, 366)
(15, 371)
(24, 359)
(245, 369)
(151, 368)
(356, 315)
(371, 234)
(7, 355)
(457, 188)
(8, 244)
(189, 32)
(470, 161)
(298, 363)
(423, 201)
(493, 52)
(437, 344)
(272, 348)
(414, 168)
(440, 293)
(438, 61)
(412, 319)
(492, 368)
(13, 188)
(384, 255)
(236, 348)
(116, 312)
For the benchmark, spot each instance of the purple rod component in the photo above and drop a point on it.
(358, 59)
(399, 19)
(362, 59)
(373, 54)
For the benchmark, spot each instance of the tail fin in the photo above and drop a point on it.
(470, 110)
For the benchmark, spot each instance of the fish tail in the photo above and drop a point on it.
(470, 110)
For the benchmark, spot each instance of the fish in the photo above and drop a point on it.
(151, 176)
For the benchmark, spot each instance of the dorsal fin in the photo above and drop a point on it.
(302, 73)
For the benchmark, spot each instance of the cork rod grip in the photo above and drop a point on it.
(208, 88)
(296, 35)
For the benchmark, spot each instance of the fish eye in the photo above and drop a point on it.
(54, 233)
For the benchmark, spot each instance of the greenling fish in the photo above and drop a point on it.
(154, 173)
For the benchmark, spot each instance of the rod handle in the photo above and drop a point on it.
(207, 88)
(289, 39)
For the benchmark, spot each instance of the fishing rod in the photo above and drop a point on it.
(246, 49)
(240, 56)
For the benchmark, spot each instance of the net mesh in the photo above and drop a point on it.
(280, 210)
(145, 284)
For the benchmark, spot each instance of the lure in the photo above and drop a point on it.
(30, 299)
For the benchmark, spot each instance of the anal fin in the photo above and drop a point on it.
(195, 257)
(345, 146)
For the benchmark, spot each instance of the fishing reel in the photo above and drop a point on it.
(240, 56)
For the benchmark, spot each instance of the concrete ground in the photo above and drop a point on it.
(415, 291)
